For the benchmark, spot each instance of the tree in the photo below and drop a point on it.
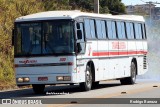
(114, 6)
(10, 10)
(56, 5)
(84, 5)
(106, 6)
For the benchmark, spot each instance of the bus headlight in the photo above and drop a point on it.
(66, 78)
(19, 79)
(59, 78)
(26, 79)
(63, 78)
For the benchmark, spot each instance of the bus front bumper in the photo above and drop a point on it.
(44, 79)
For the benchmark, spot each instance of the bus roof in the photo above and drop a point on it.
(74, 14)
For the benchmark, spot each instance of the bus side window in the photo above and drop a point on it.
(103, 29)
(138, 30)
(99, 29)
(81, 41)
(81, 28)
(92, 26)
(121, 30)
(130, 30)
(143, 31)
(111, 29)
(87, 29)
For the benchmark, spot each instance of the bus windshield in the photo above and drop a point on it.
(42, 38)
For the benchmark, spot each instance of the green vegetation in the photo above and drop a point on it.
(106, 6)
(11, 9)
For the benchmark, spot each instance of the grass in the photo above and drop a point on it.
(5, 84)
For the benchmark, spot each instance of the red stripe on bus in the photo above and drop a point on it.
(100, 53)
(123, 53)
(118, 53)
(132, 52)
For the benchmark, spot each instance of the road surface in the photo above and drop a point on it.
(106, 89)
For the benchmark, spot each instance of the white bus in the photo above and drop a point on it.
(70, 47)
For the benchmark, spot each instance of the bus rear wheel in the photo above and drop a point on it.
(86, 86)
(38, 88)
(95, 84)
(132, 78)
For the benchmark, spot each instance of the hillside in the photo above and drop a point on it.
(11, 9)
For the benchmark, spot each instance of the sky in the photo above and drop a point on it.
(134, 2)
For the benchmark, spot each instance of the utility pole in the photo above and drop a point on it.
(96, 6)
(150, 10)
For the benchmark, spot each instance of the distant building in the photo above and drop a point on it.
(156, 13)
(157, 10)
(142, 8)
(130, 9)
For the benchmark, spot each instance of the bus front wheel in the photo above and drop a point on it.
(86, 86)
(38, 88)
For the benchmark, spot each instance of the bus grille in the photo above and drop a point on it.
(145, 62)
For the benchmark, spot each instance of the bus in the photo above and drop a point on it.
(74, 47)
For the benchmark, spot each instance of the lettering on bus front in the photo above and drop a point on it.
(118, 45)
(62, 59)
(28, 61)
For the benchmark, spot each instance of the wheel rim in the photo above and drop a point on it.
(88, 78)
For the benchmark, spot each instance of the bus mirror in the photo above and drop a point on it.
(78, 26)
(79, 48)
(13, 37)
(79, 34)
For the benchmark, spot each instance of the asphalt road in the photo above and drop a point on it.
(106, 89)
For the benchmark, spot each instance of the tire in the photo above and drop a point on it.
(86, 86)
(95, 84)
(132, 78)
(71, 84)
(38, 88)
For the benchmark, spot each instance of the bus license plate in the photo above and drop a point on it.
(42, 78)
